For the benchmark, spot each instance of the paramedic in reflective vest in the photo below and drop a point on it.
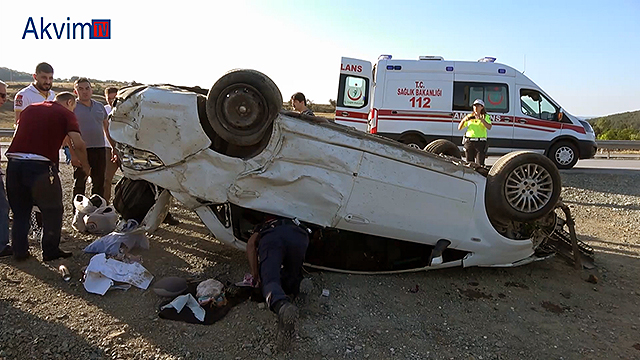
(475, 139)
(280, 245)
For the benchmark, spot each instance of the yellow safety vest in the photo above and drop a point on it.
(475, 127)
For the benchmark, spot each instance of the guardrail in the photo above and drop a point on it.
(619, 144)
(6, 132)
(609, 145)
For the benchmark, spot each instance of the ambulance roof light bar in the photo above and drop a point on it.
(431, 57)
(384, 57)
(487, 59)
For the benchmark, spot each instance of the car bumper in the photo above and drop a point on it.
(587, 149)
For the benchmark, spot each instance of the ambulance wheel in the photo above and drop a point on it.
(522, 186)
(564, 155)
(443, 147)
(242, 105)
(413, 140)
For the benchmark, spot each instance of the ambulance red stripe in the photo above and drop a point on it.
(355, 115)
(352, 120)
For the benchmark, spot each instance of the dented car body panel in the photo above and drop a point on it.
(321, 173)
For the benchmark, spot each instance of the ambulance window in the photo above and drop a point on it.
(536, 105)
(353, 91)
(495, 96)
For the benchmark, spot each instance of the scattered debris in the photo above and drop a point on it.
(102, 272)
(64, 272)
(472, 294)
(592, 279)
(554, 308)
(516, 285)
(636, 346)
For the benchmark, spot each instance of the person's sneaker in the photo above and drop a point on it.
(59, 255)
(170, 220)
(287, 318)
(7, 251)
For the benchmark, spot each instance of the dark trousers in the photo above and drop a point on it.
(281, 250)
(98, 162)
(476, 151)
(4, 218)
(34, 183)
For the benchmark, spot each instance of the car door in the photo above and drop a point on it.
(536, 121)
(397, 199)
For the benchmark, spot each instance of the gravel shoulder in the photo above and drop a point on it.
(544, 310)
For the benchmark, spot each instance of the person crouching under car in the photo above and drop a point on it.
(475, 139)
(280, 245)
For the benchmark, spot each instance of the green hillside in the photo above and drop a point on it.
(623, 126)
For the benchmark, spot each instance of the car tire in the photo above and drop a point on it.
(413, 140)
(564, 155)
(242, 105)
(443, 147)
(522, 186)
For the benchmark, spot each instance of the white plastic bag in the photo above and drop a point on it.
(83, 207)
(93, 215)
(101, 221)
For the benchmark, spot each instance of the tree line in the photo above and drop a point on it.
(623, 126)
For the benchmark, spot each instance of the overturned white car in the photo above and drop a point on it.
(373, 204)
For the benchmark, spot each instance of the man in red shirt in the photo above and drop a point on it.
(32, 172)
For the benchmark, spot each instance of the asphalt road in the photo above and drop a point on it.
(626, 165)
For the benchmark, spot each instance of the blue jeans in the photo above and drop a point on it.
(35, 183)
(4, 217)
(282, 250)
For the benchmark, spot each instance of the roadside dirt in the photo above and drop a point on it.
(545, 310)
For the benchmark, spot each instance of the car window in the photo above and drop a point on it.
(353, 91)
(535, 104)
(494, 95)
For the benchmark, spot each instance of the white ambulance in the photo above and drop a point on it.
(418, 101)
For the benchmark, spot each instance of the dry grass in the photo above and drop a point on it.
(7, 117)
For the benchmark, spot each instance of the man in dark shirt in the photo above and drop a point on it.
(32, 172)
(299, 103)
(5, 248)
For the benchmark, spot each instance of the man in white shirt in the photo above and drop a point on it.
(36, 92)
(112, 166)
(110, 95)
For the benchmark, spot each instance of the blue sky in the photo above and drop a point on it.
(583, 53)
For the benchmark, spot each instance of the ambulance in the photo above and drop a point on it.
(418, 101)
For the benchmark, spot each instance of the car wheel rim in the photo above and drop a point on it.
(529, 188)
(564, 155)
(241, 107)
(415, 146)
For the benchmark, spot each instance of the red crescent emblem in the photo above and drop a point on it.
(495, 102)
(352, 98)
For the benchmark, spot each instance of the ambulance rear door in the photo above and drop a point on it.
(354, 100)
